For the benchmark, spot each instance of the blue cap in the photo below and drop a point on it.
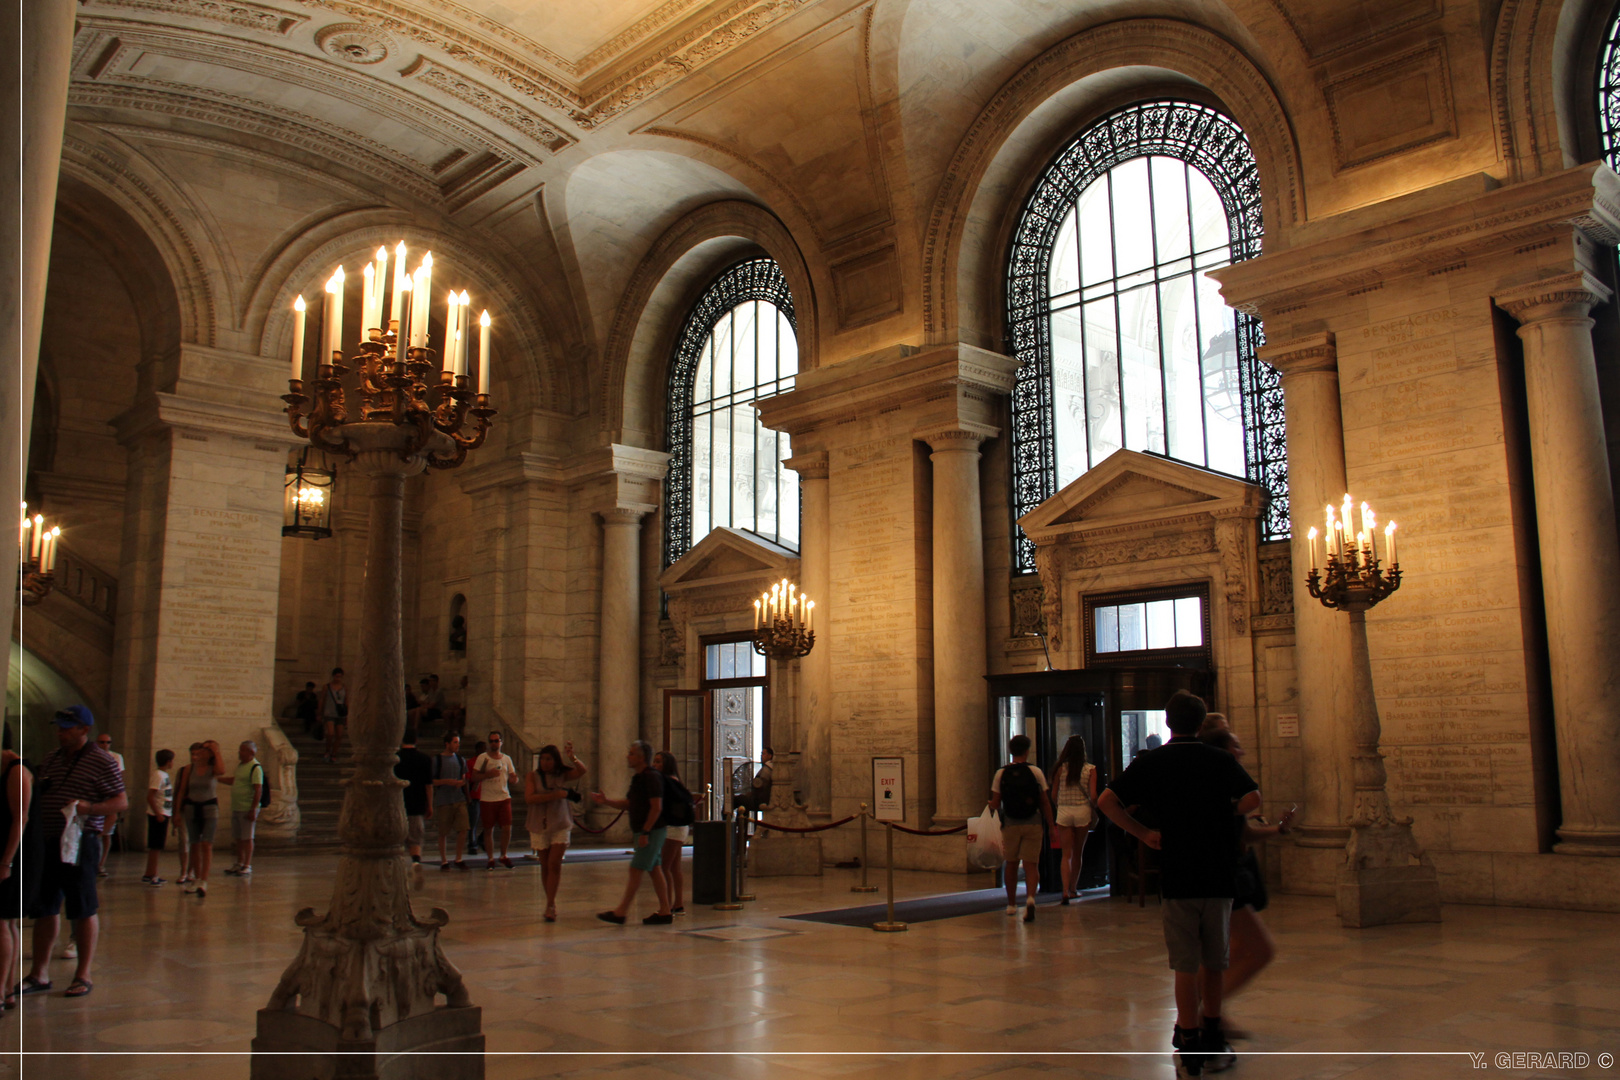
(74, 716)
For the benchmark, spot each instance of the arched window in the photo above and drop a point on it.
(1124, 341)
(738, 345)
(1608, 91)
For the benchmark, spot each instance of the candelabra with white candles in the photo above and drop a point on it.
(400, 377)
(1355, 577)
(1385, 876)
(38, 556)
(783, 621)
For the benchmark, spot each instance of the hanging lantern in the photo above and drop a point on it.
(308, 502)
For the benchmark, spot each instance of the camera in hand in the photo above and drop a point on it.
(574, 796)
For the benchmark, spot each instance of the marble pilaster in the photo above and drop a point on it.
(815, 670)
(960, 658)
(1580, 556)
(1316, 477)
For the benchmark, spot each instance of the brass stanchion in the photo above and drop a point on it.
(742, 861)
(731, 839)
(863, 886)
(889, 925)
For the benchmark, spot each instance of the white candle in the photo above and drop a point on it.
(1389, 544)
(39, 537)
(368, 298)
(1311, 536)
(402, 306)
(402, 283)
(380, 287)
(49, 563)
(420, 298)
(334, 318)
(298, 338)
(756, 614)
(483, 353)
(464, 325)
(424, 290)
(809, 615)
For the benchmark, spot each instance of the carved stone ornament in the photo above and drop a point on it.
(1027, 605)
(671, 645)
(1276, 580)
(1233, 530)
(355, 43)
(1046, 562)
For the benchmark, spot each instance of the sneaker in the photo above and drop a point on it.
(1029, 912)
(71, 952)
(202, 890)
(1012, 909)
(190, 887)
(506, 862)
(677, 911)
(490, 865)
(1219, 1055)
(658, 920)
(155, 882)
(246, 871)
(611, 916)
(146, 879)
(234, 870)
(1188, 1062)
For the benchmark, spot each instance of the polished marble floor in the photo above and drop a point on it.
(1081, 991)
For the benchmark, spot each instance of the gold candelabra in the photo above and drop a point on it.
(38, 546)
(782, 622)
(1354, 578)
(399, 377)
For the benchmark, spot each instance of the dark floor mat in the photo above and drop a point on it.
(929, 908)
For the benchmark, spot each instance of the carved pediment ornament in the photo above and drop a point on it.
(1047, 565)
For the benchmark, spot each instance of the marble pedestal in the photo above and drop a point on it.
(1386, 879)
(445, 1044)
(780, 854)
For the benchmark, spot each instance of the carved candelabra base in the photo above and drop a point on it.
(778, 854)
(1386, 878)
(445, 1044)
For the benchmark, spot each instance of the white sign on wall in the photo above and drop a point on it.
(889, 788)
(1288, 725)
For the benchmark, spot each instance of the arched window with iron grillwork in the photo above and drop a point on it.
(739, 344)
(1608, 91)
(1124, 341)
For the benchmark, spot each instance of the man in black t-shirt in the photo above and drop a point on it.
(1192, 790)
(416, 769)
(644, 803)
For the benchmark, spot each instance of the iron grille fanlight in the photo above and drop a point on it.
(1205, 140)
(1608, 92)
(307, 509)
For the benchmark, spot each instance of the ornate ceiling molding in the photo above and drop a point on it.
(355, 43)
(240, 13)
(491, 104)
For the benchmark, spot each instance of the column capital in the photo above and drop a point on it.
(1313, 353)
(1567, 296)
(625, 514)
(810, 466)
(961, 436)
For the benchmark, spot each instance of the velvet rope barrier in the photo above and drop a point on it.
(582, 827)
(925, 832)
(812, 828)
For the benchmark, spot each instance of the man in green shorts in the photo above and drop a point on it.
(644, 803)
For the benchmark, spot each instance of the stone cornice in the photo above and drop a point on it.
(625, 513)
(1508, 221)
(1564, 296)
(1316, 352)
(960, 436)
(162, 410)
(951, 386)
(624, 462)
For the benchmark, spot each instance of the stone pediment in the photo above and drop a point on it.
(730, 557)
(1131, 487)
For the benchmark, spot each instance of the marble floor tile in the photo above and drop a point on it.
(1083, 991)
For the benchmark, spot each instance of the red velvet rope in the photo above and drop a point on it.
(925, 832)
(813, 828)
(598, 832)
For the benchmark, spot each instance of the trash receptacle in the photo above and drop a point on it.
(709, 862)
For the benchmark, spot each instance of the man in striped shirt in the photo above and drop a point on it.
(84, 776)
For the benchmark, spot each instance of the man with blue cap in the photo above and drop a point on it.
(78, 779)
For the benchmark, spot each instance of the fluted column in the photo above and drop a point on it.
(1580, 556)
(619, 674)
(960, 698)
(1316, 477)
(815, 670)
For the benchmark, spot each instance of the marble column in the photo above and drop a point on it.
(1316, 477)
(36, 93)
(961, 769)
(619, 674)
(815, 670)
(1580, 556)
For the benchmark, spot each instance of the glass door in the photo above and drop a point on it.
(738, 683)
(686, 737)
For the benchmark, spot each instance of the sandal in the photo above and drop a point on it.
(31, 985)
(79, 988)
(551, 914)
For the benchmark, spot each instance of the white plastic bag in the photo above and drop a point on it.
(984, 840)
(72, 829)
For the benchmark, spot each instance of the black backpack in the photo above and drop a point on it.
(264, 784)
(1020, 794)
(678, 808)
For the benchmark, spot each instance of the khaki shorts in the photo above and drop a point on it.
(1197, 933)
(414, 828)
(1021, 843)
(451, 818)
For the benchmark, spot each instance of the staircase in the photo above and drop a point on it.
(320, 792)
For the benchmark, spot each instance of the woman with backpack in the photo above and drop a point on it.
(1075, 782)
(680, 813)
(199, 802)
(551, 819)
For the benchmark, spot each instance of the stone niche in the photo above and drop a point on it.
(1136, 522)
(711, 591)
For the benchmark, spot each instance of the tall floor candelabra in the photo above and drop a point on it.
(366, 985)
(1385, 877)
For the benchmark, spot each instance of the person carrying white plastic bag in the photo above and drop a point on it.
(984, 840)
